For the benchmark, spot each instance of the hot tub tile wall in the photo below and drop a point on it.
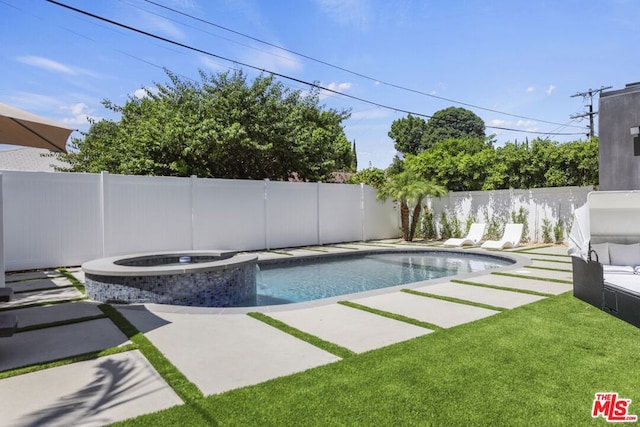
(217, 288)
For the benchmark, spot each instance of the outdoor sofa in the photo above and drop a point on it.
(605, 247)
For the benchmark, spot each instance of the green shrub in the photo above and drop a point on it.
(546, 231)
(522, 217)
(428, 226)
(449, 226)
(558, 231)
(494, 227)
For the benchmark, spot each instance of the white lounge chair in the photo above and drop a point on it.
(474, 236)
(510, 238)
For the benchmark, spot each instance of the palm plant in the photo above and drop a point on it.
(409, 188)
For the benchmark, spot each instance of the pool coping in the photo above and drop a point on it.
(519, 261)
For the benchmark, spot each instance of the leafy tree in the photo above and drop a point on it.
(223, 127)
(458, 164)
(372, 176)
(451, 123)
(408, 134)
(410, 189)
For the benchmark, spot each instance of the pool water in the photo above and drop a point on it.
(310, 279)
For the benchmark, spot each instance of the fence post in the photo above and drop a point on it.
(192, 202)
(318, 241)
(362, 212)
(103, 210)
(266, 215)
(2, 283)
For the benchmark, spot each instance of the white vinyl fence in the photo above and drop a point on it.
(62, 219)
(538, 204)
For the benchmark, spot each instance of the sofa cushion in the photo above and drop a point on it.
(602, 249)
(624, 254)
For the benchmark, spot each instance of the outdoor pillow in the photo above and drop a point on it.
(624, 254)
(602, 249)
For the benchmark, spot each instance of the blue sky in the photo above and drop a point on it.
(522, 58)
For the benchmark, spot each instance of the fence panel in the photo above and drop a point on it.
(340, 213)
(292, 214)
(538, 204)
(381, 218)
(228, 214)
(50, 219)
(144, 213)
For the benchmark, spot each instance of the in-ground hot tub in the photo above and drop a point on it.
(195, 278)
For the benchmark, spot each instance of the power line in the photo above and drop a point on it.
(310, 84)
(355, 73)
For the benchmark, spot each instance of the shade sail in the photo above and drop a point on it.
(18, 127)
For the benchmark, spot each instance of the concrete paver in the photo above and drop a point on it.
(55, 313)
(542, 286)
(552, 265)
(554, 250)
(224, 352)
(91, 393)
(438, 312)
(354, 329)
(44, 345)
(41, 274)
(37, 284)
(479, 294)
(42, 296)
(547, 274)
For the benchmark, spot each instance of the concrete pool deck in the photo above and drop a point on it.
(224, 350)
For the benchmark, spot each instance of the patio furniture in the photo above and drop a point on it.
(604, 244)
(474, 236)
(510, 238)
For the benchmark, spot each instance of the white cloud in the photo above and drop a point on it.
(211, 64)
(347, 12)
(143, 92)
(162, 25)
(47, 64)
(371, 114)
(498, 122)
(339, 87)
(531, 89)
(78, 114)
(551, 89)
(273, 59)
(55, 66)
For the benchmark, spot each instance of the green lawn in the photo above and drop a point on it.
(537, 365)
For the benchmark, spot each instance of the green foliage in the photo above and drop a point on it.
(457, 164)
(495, 227)
(473, 218)
(409, 189)
(428, 226)
(222, 127)
(546, 231)
(372, 176)
(453, 123)
(408, 134)
(522, 217)
(449, 226)
(558, 231)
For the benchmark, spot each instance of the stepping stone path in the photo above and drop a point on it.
(222, 349)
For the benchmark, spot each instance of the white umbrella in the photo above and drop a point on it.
(18, 127)
(580, 233)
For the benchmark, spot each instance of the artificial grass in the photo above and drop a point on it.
(390, 315)
(74, 281)
(500, 288)
(452, 299)
(330, 347)
(562, 270)
(537, 365)
(184, 388)
(523, 276)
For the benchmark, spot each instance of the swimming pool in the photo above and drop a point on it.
(307, 279)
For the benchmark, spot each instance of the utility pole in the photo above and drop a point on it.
(588, 96)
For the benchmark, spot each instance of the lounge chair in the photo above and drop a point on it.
(474, 236)
(510, 238)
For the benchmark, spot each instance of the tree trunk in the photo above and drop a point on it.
(404, 219)
(414, 220)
